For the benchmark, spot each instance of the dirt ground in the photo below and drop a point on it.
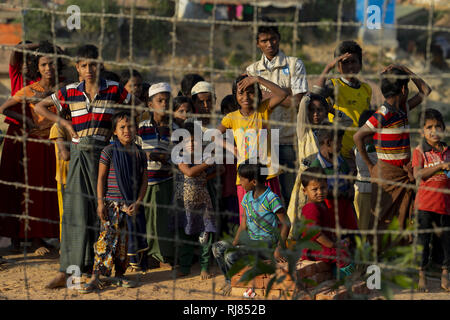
(22, 279)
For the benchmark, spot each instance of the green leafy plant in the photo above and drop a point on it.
(396, 261)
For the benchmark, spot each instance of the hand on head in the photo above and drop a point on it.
(246, 82)
(396, 66)
(333, 63)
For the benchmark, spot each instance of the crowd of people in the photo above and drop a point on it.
(105, 142)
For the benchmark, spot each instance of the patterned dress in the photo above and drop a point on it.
(111, 247)
(194, 204)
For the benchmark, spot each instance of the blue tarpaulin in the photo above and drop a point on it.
(389, 16)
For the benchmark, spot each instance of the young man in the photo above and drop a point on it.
(389, 127)
(90, 105)
(286, 72)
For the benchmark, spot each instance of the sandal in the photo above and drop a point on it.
(123, 282)
(92, 286)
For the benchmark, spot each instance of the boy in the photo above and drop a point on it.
(347, 93)
(155, 136)
(330, 144)
(203, 98)
(430, 159)
(88, 105)
(363, 189)
(316, 189)
(263, 211)
(389, 127)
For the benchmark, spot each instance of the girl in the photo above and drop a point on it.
(195, 221)
(132, 82)
(121, 186)
(313, 112)
(40, 164)
(252, 116)
(181, 106)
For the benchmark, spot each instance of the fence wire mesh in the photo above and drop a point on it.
(164, 45)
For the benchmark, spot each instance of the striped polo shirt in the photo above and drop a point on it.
(262, 220)
(392, 141)
(91, 118)
(154, 138)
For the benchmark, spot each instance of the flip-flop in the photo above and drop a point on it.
(122, 282)
(91, 287)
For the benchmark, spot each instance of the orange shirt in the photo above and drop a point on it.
(35, 90)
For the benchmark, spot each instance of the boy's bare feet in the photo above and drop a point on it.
(58, 282)
(444, 280)
(204, 275)
(42, 251)
(41, 248)
(422, 282)
(225, 289)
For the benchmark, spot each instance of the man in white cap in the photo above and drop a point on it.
(203, 98)
(287, 72)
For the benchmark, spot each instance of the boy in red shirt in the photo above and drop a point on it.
(430, 161)
(332, 251)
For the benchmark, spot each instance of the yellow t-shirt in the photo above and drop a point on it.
(250, 141)
(353, 102)
(62, 167)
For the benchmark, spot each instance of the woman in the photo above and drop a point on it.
(34, 163)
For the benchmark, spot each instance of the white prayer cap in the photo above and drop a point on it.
(158, 88)
(202, 86)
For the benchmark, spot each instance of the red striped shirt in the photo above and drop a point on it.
(392, 142)
(91, 118)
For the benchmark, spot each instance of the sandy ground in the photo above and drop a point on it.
(25, 279)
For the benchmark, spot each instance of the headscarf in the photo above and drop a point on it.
(129, 167)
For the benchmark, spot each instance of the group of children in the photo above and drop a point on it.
(122, 198)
